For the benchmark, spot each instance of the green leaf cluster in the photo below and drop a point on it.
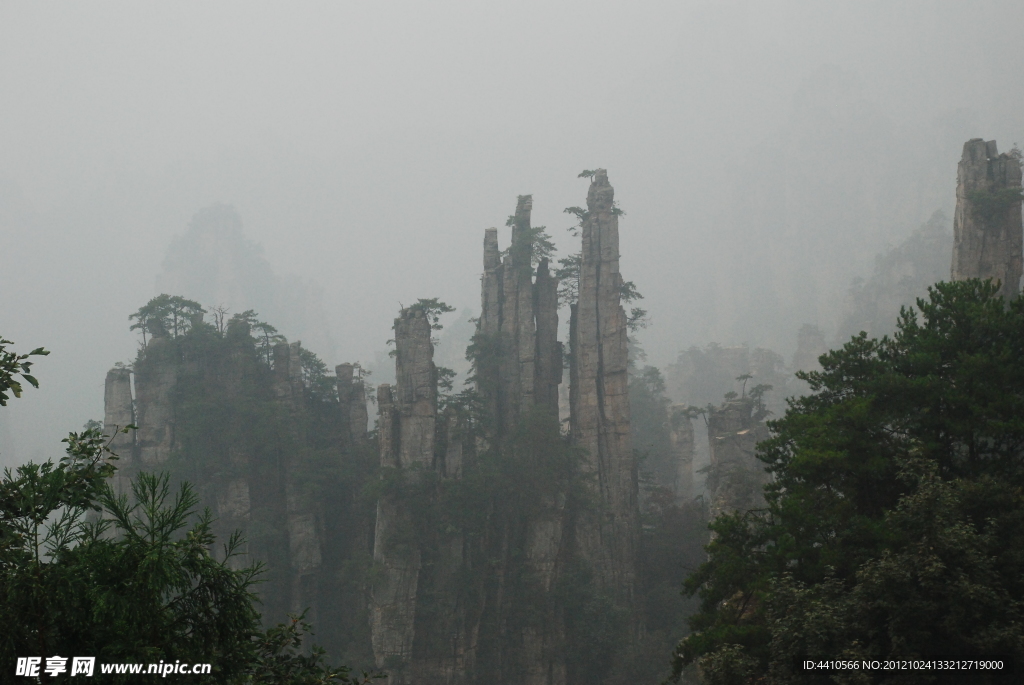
(282, 659)
(894, 526)
(132, 585)
(568, 275)
(432, 308)
(85, 571)
(12, 365)
(167, 315)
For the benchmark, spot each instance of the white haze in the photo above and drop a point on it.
(763, 153)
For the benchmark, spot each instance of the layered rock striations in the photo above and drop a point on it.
(517, 365)
(447, 631)
(599, 400)
(235, 423)
(406, 423)
(155, 381)
(519, 320)
(681, 443)
(304, 520)
(736, 477)
(519, 384)
(548, 369)
(351, 403)
(495, 530)
(119, 412)
(987, 234)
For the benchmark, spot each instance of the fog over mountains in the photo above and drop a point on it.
(764, 156)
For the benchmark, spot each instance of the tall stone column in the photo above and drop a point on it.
(352, 403)
(407, 421)
(810, 344)
(156, 376)
(343, 374)
(600, 400)
(518, 322)
(446, 639)
(489, 328)
(415, 389)
(519, 378)
(682, 446)
(304, 531)
(987, 233)
(359, 417)
(118, 412)
(736, 477)
(235, 498)
(548, 365)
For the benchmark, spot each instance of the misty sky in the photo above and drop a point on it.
(763, 153)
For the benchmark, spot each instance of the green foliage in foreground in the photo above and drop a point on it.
(895, 524)
(136, 583)
(13, 365)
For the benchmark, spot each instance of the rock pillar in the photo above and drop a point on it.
(415, 389)
(303, 524)
(489, 329)
(548, 366)
(518, 377)
(407, 421)
(736, 477)
(359, 417)
(682, 446)
(987, 234)
(352, 403)
(518, 323)
(235, 498)
(118, 412)
(155, 378)
(343, 374)
(810, 344)
(600, 400)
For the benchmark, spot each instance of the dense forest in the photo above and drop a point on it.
(570, 514)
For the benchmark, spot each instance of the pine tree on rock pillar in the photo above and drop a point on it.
(407, 421)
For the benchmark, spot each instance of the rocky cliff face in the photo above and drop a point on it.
(736, 476)
(407, 418)
(441, 595)
(352, 402)
(154, 383)
(599, 398)
(987, 236)
(520, 318)
(447, 633)
(682, 447)
(118, 412)
(503, 621)
(304, 518)
(212, 411)
(519, 321)
(504, 549)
